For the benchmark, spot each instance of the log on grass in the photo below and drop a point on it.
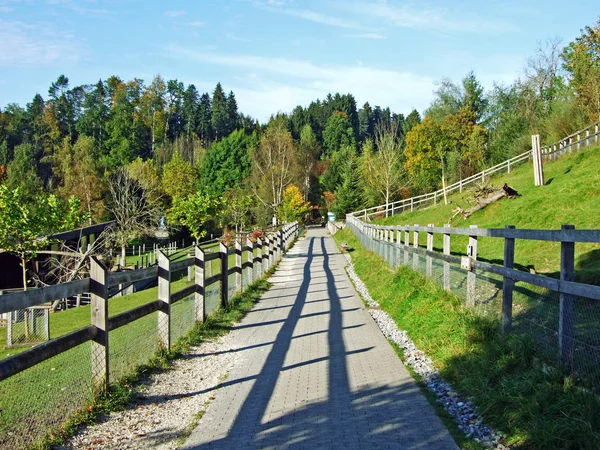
(506, 191)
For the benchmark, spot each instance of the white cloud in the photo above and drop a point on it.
(279, 6)
(323, 19)
(366, 36)
(435, 19)
(175, 13)
(267, 85)
(27, 44)
(237, 38)
(195, 24)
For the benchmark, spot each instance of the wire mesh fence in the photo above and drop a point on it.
(132, 345)
(212, 298)
(183, 317)
(43, 397)
(536, 310)
(28, 326)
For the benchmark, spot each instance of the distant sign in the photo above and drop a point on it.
(331, 217)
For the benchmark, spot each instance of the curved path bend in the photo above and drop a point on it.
(314, 370)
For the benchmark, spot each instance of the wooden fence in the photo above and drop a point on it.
(565, 286)
(576, 141)
(267, 254)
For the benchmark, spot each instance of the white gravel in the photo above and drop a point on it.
(462, 410)
(166, 404)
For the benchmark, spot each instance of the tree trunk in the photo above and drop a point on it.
(123, 255)
(24, 265)
(444, 184)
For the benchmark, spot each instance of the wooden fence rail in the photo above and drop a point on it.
(582, 138)
(565, 286)
(268, 253)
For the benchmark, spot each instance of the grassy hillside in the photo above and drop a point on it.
(571, 195)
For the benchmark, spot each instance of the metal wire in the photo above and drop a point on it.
(41, 398)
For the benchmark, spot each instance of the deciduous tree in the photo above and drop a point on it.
(273, 165)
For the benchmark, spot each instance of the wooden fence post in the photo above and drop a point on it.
(267, 253)
(224, 275)
(416, 245)
(99, 318)
(565, 327)
(429, 260)
(538, 167)
(164, 295)
(200, 276)
(471, 275)
(239, 279)
(250, 248)
(406, 245)
(259, 254)
(508, 283)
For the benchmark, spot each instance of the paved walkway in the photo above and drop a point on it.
(315, 370)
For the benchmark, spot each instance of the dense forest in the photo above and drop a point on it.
(195, 158)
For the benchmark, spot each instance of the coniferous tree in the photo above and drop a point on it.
(204, 128)
(232, 112)
(219, 113)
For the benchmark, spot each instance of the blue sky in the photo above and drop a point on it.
(276, 54)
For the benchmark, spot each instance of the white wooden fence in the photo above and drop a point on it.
(574, 142)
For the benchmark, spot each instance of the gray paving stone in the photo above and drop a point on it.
(315, 371)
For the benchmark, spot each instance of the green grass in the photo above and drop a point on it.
(535, 408)
(570, 196)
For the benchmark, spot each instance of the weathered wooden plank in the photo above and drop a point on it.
(183, 293)
(567, 307)
(508, 284)
(569, 287)
(534, 235)
(99, 319)
(211, 280)
(225, 275)
(14, 364)
(211, 256)
(446, 249)
(35, 297)
(200, 281)
(75, 234)
(131, 276)
(182, 264)
(134, 314)
(471, 276)
(164, 295)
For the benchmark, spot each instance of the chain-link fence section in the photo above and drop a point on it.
(183, 317)
(212, 298)
(27, 327)
(43, 397)
(536, 310)
(132, 345)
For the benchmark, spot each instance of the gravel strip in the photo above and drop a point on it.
(165, 405)
(462, 410)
